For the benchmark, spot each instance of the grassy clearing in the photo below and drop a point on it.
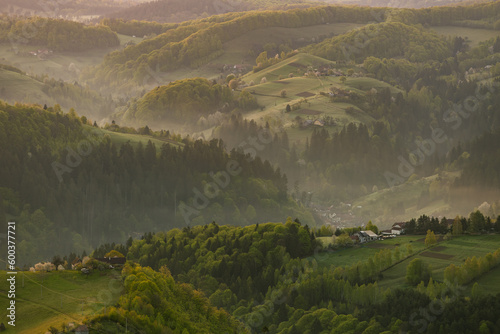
(51, 299)
(349, 256)
(474, 35)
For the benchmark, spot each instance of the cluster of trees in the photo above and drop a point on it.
(244, 260)
(154, 302)
(475, 223)
(446, 15)
(472, 268)
(183, 101)
(62, 182)
(55, 34)
(418, 271)
(384, 40)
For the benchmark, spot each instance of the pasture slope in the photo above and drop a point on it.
(53, 298)
(438, 257)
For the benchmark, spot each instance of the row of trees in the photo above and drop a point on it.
(472, 268)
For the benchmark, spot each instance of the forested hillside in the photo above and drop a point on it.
(262, 276)
(199, 43)
(384, 40)
(57, 35)
(62, 182)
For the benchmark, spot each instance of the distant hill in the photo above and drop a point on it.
(407, 3)
(69, 8)
(183, 10)
(384, 40)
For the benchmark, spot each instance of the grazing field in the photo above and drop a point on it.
(53, 298)
(452, 251)
(474, 35)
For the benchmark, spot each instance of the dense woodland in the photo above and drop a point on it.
(62, 182)
(57, 35)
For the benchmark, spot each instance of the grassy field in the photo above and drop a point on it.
(489, 281)
(445, 253)
(121, 138)
(16, 87)
(54, 298)
(348, 256)
(474, 35)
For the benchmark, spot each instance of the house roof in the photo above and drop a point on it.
(370, 234)
(399, 224)
(396, 228)
(112, 260)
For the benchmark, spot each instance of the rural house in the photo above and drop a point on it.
(82, 329)
(398, 228)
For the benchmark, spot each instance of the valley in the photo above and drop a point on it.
(251, 166)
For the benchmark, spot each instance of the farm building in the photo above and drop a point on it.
(366, 236)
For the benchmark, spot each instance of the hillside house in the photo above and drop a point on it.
(114, 261)
(319, 122)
